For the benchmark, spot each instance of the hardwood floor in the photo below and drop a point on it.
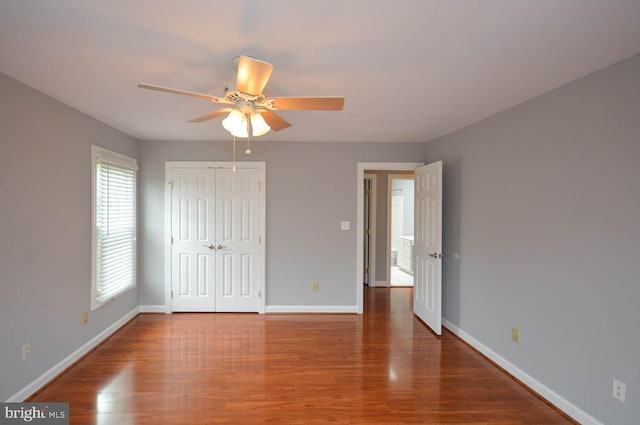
(384, 367)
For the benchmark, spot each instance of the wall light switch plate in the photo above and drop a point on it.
(515, 335)
(619, 390)
(345, 225)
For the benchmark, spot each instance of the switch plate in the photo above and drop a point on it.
(619, 390)
(85, 317)
(515, 334)
(26, 351)
(315, 286)
(345, 225)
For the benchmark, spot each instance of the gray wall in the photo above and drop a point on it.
(311, 188)
(381, 226)
(45, 257)
(543, 203)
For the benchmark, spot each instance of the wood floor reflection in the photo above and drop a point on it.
(383, 367)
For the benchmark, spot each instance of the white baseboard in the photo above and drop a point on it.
(312, 309)
(50, 374)
(538, 387)
(381, 284)
(153, 309)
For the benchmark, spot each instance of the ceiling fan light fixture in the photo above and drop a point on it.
(259, 125)
(236, 124)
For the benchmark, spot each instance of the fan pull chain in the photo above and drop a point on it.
(234, 154)
(249, 131)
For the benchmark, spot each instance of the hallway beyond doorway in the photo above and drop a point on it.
(400, 278)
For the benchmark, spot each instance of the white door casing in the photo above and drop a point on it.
(215, 256)
(427, 293)
(367, 231)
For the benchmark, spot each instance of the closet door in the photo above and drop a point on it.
(216, 257)
(238, 258)
(193, 238)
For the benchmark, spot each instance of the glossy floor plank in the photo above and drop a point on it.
(384, 367)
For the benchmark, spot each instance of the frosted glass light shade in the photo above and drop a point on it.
(236, 124)
(259, 125)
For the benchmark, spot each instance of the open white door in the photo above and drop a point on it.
(427, 292)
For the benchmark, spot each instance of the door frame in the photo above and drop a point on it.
(169, 166)
(362, 167)
(373, 178)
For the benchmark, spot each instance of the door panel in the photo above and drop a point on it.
(238, 258)
(427, 294)
(192, 226)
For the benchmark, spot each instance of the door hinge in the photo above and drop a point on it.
(368, 231)
(171, 294)
(369, 192)
(259, 186)
(259, 240)
(171, 184)
(366, 270)
(259, 294)
(171, 240)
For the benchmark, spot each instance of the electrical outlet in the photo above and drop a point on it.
(619, 390)
(315, 286)
(85, 317)
(26, 351)
(515, 335)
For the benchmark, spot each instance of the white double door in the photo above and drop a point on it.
(216, 257)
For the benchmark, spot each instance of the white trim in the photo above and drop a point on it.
(536, 386)
(107, 155)
(153, 309)
(382, 284)
(57, 369)
(169, 166)
(372, 223)
(362, 167)
(312, 309)
(98, 152)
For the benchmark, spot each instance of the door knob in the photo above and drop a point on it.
(434, 255)
(220, 246)
(209, 246)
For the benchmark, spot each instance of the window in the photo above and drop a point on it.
(113, 254)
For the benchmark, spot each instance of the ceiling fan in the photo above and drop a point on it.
(249, 112)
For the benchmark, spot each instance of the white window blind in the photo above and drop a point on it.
(114, 226)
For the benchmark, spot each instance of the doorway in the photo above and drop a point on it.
(364, 167)
(400, 228)
(215, 221)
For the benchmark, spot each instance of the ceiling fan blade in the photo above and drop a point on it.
(308, 103)
(183, 92)
(275, 121)
(253, 75)
(211, 115)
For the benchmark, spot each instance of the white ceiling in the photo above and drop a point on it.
(409, 70)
